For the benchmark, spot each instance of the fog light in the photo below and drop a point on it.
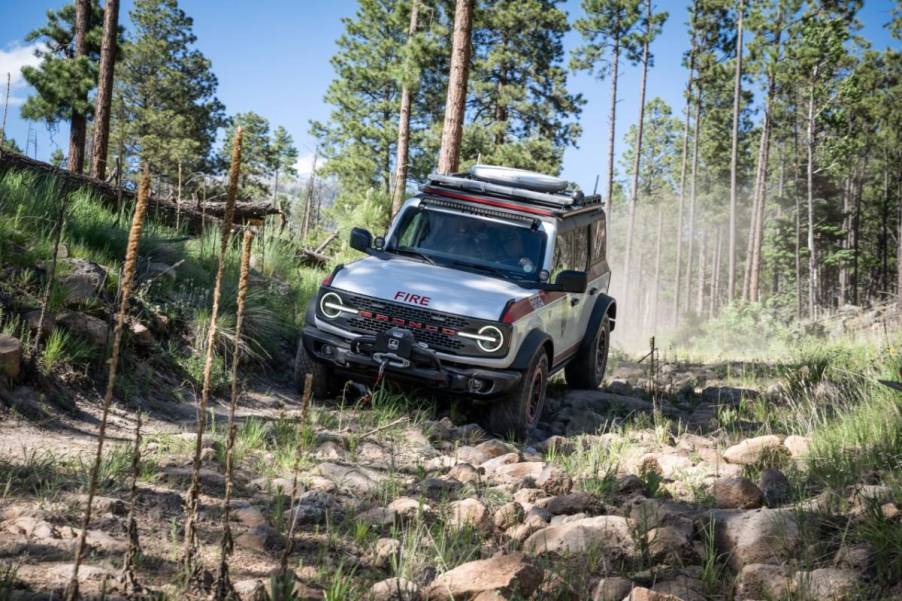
(477, 386)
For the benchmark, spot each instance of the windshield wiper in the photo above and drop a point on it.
(487, 269)
(414, 253)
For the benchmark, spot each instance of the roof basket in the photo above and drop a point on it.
(519, 184)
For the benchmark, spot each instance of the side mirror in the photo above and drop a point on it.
(572, 281)
(361, 239)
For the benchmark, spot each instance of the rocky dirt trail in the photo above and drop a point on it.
(621, 494)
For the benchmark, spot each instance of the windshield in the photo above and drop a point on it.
(508, 249)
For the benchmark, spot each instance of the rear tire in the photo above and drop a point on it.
(517, 413)
(586, 370)
(304, 364)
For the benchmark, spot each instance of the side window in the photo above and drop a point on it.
(411, 233)
(571, 251)
(599, 241)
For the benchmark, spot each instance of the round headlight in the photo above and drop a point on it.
(331, 305)
(491, 339)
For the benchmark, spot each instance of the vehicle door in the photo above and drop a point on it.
(571, 252)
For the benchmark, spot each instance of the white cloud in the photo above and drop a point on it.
(304, 164)
(12, 59)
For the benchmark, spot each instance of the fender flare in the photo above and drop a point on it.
(605, 306)
(535, 340)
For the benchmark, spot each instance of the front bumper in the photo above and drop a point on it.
(357, 360)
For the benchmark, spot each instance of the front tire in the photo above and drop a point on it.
(586, 370)
(517, 413)
(305, 364)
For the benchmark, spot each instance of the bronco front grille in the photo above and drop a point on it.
(386, 314)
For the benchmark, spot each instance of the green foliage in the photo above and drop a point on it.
(62, 82)
(165, 105)
(60, 349)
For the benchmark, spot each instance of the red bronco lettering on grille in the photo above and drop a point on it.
(414, 299)
(407, 323)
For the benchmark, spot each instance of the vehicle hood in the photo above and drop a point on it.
(448, 290)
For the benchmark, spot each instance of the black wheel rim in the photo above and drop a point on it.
(536, 394)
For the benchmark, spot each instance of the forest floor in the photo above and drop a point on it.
(695, 492)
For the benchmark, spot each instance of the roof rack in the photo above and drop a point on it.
(483, 180)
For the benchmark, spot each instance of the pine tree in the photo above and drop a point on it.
(607, 24)
(67, 72)
(165, 96)
(283, 157)
(257, 158)
(518, 86)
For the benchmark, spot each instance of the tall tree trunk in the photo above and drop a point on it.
(102, 102)
(700, 293)
(78, 123)
(845, 242)
(812, 257)
(656, 284)
(404, 126)
(884, 230)
(856, 229)
(899, 244)
(637, 163)
(683, 164)
(308, 203)
(449, 154)
(737, 92)
(753, 223)
(693, 181)
(612, 126)
(715, 284)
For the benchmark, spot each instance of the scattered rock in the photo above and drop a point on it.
(828, 584)
(408, 507)
(508, 515)
(437, 488)
(762, 581)
(491, 465)
(669, 544)
(385, 549)
(379, 517)
(88, 327)
(504, 573)
(775, 487)
(394, 589)
(682, 587)
(736, 493)
(313, 507)
(465, 473)
(556, 445)
(578, 502)
(613, 588)
(757, 536)
(249, 516)
(10, 356)
(351, 480)
(261, 539)
(858, 557)
(518, 474)
(643, 594)
(753, 450)
(330, 451)
(469, 513)
(140, 333)
(797, 446)
(554, 480)
(82, 281)
(608, 534)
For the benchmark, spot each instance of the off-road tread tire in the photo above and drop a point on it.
(323, 380)
(507, 416)
(580, 372)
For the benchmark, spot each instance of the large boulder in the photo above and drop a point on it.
(518, 474)
(10, 356)
(512, 573)
(82, 280)
(762, 581)
(394, 589)
(613, 588)
(469, 513)
(756, 536)
(609, 534)
(736, 493)
(91, 328)
(578, 502)
(753, 450)
(349, 480)
(828, 584)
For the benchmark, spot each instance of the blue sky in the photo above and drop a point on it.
(272, 57)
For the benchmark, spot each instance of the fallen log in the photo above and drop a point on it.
(195, 215)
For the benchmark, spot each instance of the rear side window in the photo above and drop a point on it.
(599, 241)
(571, 251)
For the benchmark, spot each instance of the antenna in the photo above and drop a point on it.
(595, 189)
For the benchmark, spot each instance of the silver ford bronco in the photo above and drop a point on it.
(486, 283)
